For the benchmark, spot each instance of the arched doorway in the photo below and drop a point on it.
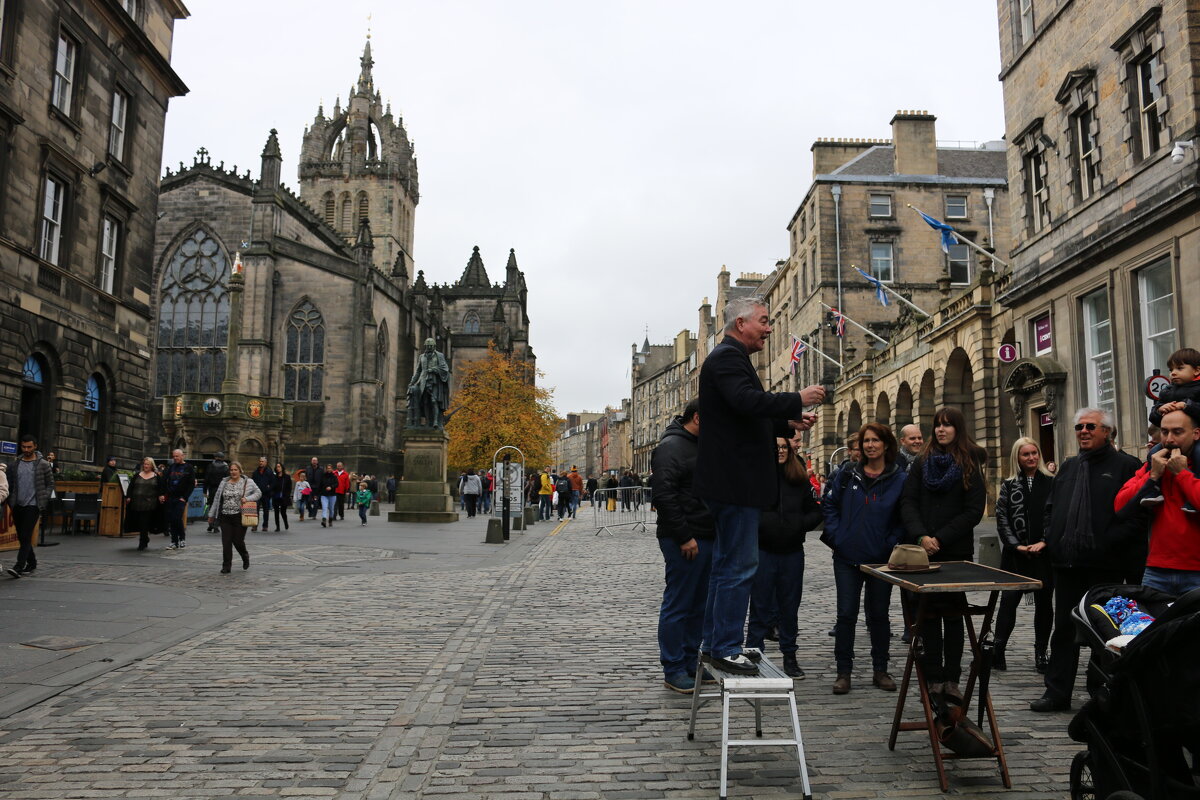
(209, 447)
(927, 404)
(36, 397)
(854, 420)
(883, 409)
(959, 387)
(904, 405)
(249, 452)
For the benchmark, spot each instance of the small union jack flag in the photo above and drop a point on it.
(839, 323)
(799, 348)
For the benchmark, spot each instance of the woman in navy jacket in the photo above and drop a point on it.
(942, 503)
(862, 525)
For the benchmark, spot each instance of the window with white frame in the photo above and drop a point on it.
(881, 205)
(882, 261)
(1084, 131)
(1101, 388)
(93, 418)
(131, 8)
(55, 192)
(958, 263)
(64, 73)
(1025, 20)
(116, 125)
(1156, 291)
(956, 206)
(1037, 192)
(1146, 81)
(109, 240)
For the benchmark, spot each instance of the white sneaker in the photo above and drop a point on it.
(172, 547)
(182, 545)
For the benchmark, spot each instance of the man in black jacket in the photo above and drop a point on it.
(685, 536)
(1089, 543)
(735, 470)
(181, 480)
(264, 479)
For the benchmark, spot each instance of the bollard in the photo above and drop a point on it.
(989, 550)
(374, 512)
(495, 531)
(531, 513)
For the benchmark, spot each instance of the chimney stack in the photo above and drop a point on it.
(916, 143)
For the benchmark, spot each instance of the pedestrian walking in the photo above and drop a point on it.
(144, 501)
(264, 479)
(735, 470)
(562, 489)
(343, 488)
(592, 487)
(391, 488)
(489, 486)
(627, 484)
(576, 481)
(861, 505)
(1020, 522)
(363, 500)
(942, 503)
(180, 481)
(281, 495)
(301, 489)
(327, 490)
(232, 492)
(471, 487)
(217, 471)
(545, 495)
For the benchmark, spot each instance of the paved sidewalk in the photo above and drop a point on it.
(520, 672)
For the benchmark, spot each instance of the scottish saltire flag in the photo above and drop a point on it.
(947, 232)
(839, 322)
(799, 348)
(880, 292)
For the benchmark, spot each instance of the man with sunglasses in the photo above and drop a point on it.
(1089, 542)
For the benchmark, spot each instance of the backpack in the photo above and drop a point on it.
(563, 486)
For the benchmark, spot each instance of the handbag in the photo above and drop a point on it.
(249, 509)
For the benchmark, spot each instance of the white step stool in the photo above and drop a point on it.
(771, 683)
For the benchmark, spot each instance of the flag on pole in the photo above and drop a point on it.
(880, 292)
(947, 232)
(839, 322)
(799, 348)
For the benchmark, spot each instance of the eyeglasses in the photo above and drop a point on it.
(1090, 426)
(782, 448)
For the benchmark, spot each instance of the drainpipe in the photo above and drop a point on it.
(836, 191)
(988, 196)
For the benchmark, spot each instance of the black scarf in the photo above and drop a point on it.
(939, 472)
(1078, 537)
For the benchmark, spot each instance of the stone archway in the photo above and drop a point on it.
(249, 451)
(927, 403)
(854, 419)
(883, 409)
(904, 405)
(958, 387)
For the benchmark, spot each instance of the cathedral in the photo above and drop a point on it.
(288, 324)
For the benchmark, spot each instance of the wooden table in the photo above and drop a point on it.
(952, 576)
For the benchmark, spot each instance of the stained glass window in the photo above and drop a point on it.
(193, 318)
(304, 355)
(471, 322)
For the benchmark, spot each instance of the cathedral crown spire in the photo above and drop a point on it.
(366, 83)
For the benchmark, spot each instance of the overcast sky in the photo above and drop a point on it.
(625, 149)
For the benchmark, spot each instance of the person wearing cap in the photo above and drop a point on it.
(576, 481)
(109, 473)
(217, 471)
(862, 525)
(1173, 565)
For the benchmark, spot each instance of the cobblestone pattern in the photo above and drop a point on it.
(535, 681)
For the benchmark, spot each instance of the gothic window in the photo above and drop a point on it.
(304, 361)
(193, 318)
(344, 220)
(330, 216)
(364, 207)
(471, 322)
(381, 368)
(94, 402)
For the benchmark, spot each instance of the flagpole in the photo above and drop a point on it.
(867, 331)
(967, 241)
(899, 296)
(833, 361)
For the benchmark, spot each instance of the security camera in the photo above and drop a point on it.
(1179, 152)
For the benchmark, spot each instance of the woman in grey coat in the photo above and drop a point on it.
(226, 510)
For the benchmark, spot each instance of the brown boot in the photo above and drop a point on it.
(883, 681)
(842, 685)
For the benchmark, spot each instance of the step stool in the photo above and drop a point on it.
(771, 683)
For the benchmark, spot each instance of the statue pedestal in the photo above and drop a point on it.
(424, 494)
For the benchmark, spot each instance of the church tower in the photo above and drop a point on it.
(358, 164)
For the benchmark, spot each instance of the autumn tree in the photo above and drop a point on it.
(496, 404)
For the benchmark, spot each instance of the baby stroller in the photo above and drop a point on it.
(1142, 723)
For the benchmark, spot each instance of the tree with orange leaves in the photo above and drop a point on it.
(497, 404)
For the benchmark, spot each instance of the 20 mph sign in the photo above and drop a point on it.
(1155, 385)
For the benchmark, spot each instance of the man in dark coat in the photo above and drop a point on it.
(685, 536)
(264, 479)
(30, 484)
(735, 470)
(1089, 543)
(181, 480)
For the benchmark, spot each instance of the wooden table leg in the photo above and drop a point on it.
(914, 665)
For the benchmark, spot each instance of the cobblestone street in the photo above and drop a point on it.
(530, 674)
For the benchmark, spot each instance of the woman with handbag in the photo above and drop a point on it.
(1020, 521)
(281, 496)
(942, 503)
(861, 505)
(235, 509)
(144, 500)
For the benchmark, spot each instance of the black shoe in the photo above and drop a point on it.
(772, 634)
(833, 631)
(791, 668)
(1048, 703)
(225, 570)
(738, 665)
(16, 573)
(245, 562)
(1041, 662)
(998, 661)
(322, 523)
(753, 654)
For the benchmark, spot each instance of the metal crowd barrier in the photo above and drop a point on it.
(613, 508)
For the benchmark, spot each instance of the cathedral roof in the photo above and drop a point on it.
(474, 274)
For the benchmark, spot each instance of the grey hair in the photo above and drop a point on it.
(740, 308)
(1105, 418)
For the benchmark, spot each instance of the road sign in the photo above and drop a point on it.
(1156, 384)
(8, 448)
(1008, 353)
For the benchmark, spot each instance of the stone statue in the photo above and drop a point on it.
(429, 389)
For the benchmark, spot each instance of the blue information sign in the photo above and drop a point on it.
(8, 448)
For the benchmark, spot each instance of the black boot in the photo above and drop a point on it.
(1041, 661)
(790, 667)
(998, 661)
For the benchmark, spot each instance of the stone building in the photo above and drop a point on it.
(84, 89)
(661, 388)
(1103, 163)
(288, 325)
(577, 444)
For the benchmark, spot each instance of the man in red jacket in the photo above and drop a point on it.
(1173, 565)
(343, 478)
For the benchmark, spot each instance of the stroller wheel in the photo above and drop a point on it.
(1083, 786)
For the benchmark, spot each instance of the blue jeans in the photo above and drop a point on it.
(1171, 581)
(776, 591)
(734, 561)
(485, 501)
(177, 519)
(849, 581)
(574, 501)
(329, 506)
(545, 506)
(681, 618)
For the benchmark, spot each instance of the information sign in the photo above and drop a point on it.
(1007, 353)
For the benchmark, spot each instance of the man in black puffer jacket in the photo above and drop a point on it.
(685, 536)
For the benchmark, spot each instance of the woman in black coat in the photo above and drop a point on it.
(1020, 512)
(942, 503)
(281, 495)
(779, 580)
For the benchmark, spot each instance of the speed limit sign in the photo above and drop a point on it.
(1156, 384)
